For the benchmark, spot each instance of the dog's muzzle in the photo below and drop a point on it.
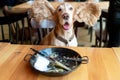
(65, 16)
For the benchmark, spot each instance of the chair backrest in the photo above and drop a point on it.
(18, 33)
(5, 22)
(44, 28)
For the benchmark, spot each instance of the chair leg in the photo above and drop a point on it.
(96, 41)
(10, 34)
(17, 33)
(3, 37)
(76, 29)
(23, 31)
(38, 37)
(100, 32)
(90, 31)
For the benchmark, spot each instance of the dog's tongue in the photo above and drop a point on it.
(66, 26)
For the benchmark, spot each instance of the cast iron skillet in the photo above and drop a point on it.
(75, 59)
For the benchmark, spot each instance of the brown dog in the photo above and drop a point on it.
(64, 16)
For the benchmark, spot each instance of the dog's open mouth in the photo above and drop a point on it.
(66, 26)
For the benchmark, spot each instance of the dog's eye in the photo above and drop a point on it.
(71, 8)
(59, 9)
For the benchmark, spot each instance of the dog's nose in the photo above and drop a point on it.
(65, 16)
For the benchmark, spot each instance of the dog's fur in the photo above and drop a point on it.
(64, 17)
(41, 9)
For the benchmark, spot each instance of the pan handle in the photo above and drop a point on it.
(84, 60)
(27, 56)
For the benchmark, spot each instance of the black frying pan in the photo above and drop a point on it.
(69, 57)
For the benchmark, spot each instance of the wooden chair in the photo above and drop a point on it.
(78, 24)
(41, 32)
(4, 21)
(18, 33)
(102, 33)
(7, 22)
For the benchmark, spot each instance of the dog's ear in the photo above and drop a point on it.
(49, 5)
(88, 13)
(42, 10)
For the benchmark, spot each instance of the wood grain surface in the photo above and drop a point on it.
(104, 64)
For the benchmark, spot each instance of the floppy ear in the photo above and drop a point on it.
(88, 13)
(41, 10)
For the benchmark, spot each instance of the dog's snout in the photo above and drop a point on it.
(65, 16)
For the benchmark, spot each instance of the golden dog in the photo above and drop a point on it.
(64, 17)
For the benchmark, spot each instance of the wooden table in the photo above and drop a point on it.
(26, 6)
(104, 64)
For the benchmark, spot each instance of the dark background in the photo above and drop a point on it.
(14, 2)
(11, 2)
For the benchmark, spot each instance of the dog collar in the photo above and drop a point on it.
(63, 39)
